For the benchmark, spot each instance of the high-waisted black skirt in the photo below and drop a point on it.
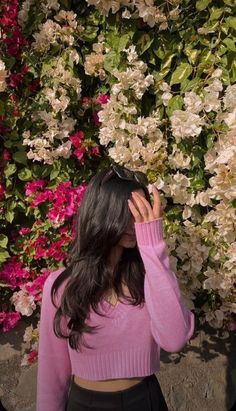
(144, 396)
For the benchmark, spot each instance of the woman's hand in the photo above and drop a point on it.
(142, 210)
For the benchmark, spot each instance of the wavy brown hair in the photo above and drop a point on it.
(102, 218)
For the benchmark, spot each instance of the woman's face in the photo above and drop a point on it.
(128, 239)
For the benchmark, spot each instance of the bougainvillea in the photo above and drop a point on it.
(150, 85)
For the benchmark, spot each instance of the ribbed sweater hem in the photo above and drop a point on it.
(128, 364)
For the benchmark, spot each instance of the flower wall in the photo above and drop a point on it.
(147, 84)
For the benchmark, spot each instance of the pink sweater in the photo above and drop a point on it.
(129, 340)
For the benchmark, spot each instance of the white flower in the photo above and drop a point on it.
(230, 119)
(212, 102)
(187, 212)
(3, 75)
(177, 159)
(229, 98)
(185, 124)
(216, 85)
(165, 87)
(193, 102)
(217, 73)
(23, 302)
(166, 97)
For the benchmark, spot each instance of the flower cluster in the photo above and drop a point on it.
(146, 10)
(124, 127)
(82, 88)
(61, 31)
(13, 273)
(94, 62)
(8, 320)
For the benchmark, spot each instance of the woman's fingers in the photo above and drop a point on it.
(137, 216)
(144, 207)
(142, 210)
(157, 207)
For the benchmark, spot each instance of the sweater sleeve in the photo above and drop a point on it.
(172, 323)
(54, 368)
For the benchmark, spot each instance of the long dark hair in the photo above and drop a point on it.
(102, 218)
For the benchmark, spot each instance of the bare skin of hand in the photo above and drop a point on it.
(142, 211)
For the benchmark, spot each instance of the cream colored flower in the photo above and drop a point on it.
(3, 76)
(185, 124)
(23, 302)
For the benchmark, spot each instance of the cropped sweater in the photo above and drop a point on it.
(129, 338)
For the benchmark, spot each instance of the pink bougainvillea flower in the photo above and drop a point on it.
(96, 151)
(13, 273)
(103, 99)
(55, 251)
(79, 153)
(86, 102)
(32, 356)
(16, 79)
(8, 320)
(77, 138)
(6, 155)
(40, 246)
(34, 86)
(33, 186)
(24, 69)
(63, 230)
(2, 191)
(66, 201)
(24, 230)
(42, 197)
(96, 118)
(35, 287)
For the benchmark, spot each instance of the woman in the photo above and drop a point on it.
(116, 304)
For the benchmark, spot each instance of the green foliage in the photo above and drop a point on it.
(184, 55)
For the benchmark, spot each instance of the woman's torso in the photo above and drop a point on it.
(112, 384)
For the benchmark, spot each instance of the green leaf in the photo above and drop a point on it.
(9, 215)
(210, 141)
(112, 61)
(25, 174)
(159, 75)
(144, 42)
(182, 72)
(231, 22)
(55, 169)
(202, 4)
(9, 169)
(122, 42)
(3, 240)
(229, 43)
(90, 33)
(229, 2)
(175, 103)
(20, 157)
(216, 13)
(233, 71)
(192, 54)
(190, 85)
(4, 255)
(166, 63)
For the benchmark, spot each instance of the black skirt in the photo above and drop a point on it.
(144, 396)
